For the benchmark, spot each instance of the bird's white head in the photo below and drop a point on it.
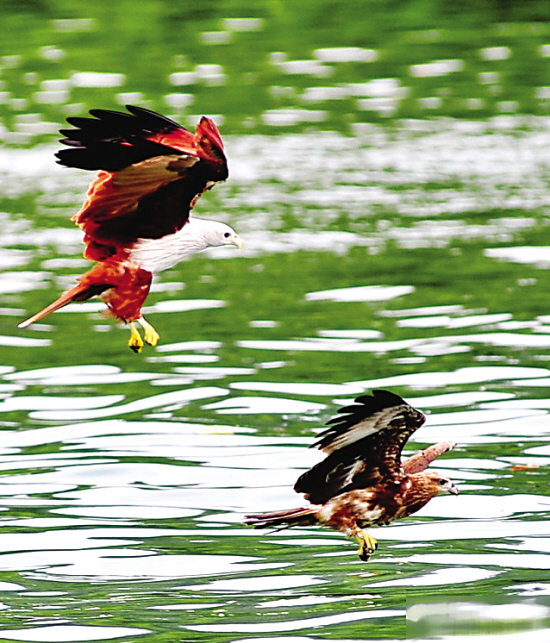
(217, 234)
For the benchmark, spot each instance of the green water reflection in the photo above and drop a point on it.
(272, 65)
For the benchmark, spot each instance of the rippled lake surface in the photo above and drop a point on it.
(413, 258)
(411, 253)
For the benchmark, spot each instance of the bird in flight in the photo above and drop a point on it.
(363, 481)
(136, 217)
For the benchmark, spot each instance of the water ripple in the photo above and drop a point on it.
(264, 405)
(179, 398)
(360, 293)
(66, 632)
(305, 623)
(77, 375)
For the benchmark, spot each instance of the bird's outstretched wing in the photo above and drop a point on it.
(152, 170)
(363, 446)
(421, 460)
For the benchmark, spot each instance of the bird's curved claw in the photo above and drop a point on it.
(367, 545)
(150, 335)
(135, 343)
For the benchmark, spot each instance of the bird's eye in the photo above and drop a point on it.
(227, 234)
(442, 481)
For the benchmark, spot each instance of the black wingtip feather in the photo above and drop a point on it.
(153, 118)
(106, 156)
(364, 407)
(114, 140)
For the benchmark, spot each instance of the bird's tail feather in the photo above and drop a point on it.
(282, 519)
(80, 292)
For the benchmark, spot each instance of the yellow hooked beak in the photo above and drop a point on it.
(238, 242)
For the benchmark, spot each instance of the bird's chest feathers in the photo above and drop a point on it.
(364, 507)
(377, 505)
(156, 255)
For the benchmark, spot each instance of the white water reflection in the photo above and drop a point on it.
(72, 633)
(528, 544)
(76, 432)
(450, 322)
(464, 375)
(298, 388)
(304, 623)
(467, 398)
(330, 344)
(276, 405)
(23, 342)
(441, 577)
(15, 282)
(45, 403)
(126, 564)
(63, 373)
(425, 311)
(486, 427)
(186, 606)
(360, 293)
(207, 373)
(97, 79)
(537, 255)
(178, 398)
(345, 54)
(207, 346)
(138, 512)
(544, 450)
(195, 359)
(501, 560)
(58, 540)
(429, 346)
(351, 334)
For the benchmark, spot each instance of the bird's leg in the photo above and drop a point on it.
(150, 335)
(135, 343)
(367, 544)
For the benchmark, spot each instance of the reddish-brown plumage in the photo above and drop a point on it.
(363, 482)
(128, 286)
(110, 217)
(151, 172)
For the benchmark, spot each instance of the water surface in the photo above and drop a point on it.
(126, 477)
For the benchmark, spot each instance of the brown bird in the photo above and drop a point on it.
(136, 218)
(363, 481)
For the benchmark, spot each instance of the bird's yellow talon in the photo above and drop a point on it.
(150, 335)
(367, 545)
(135, 343)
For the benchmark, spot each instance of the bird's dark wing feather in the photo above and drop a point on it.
(152, 170)
(114, 140)
(364, 446)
